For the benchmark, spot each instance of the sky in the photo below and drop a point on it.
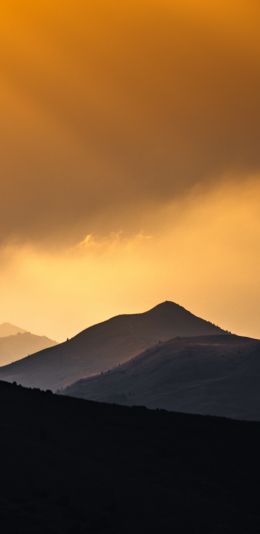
(130, 161)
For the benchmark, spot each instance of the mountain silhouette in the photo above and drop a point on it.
(8, 329)
(16, 347)
(72, 466)
(106, 345)
(212, 375)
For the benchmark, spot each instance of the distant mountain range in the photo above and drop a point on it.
(212, 375)
(16, 343)
(8, 329)
(165, 358)
(106, 345)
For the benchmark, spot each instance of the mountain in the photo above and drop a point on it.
(8, 329)
(212, 375)
(15, 347)
(74, 466)
(105, 345)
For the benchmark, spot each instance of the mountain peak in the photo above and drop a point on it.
(9, 329)
(167, 305)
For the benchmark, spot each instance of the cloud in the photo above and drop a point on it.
(112, 110)
(208, 261)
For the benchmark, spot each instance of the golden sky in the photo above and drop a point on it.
(130, 161)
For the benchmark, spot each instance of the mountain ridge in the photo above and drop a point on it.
(210, 375)
(104, 345)
(8, 329)
(15, 347)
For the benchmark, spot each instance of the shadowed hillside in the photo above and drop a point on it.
(15, 347)
(71, 466)
(105, 345)
(215, 375)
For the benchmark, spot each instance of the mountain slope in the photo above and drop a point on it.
(70, 466)
(105, 345)
(15, 347)
(215, 375)
(8, 329)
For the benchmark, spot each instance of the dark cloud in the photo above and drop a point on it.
(108, 109)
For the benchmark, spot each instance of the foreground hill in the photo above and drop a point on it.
(215, 375)
(8, 329)
(105, 345)
(70, 466)
(15, 347)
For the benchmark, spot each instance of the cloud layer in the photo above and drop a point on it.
(111, 109)
(207, 261)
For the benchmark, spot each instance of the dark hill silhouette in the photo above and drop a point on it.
(214, 375)
(105, 345)
(15, 347)
(8, 329)
(71, 466)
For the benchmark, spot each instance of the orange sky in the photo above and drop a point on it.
(136, 124)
